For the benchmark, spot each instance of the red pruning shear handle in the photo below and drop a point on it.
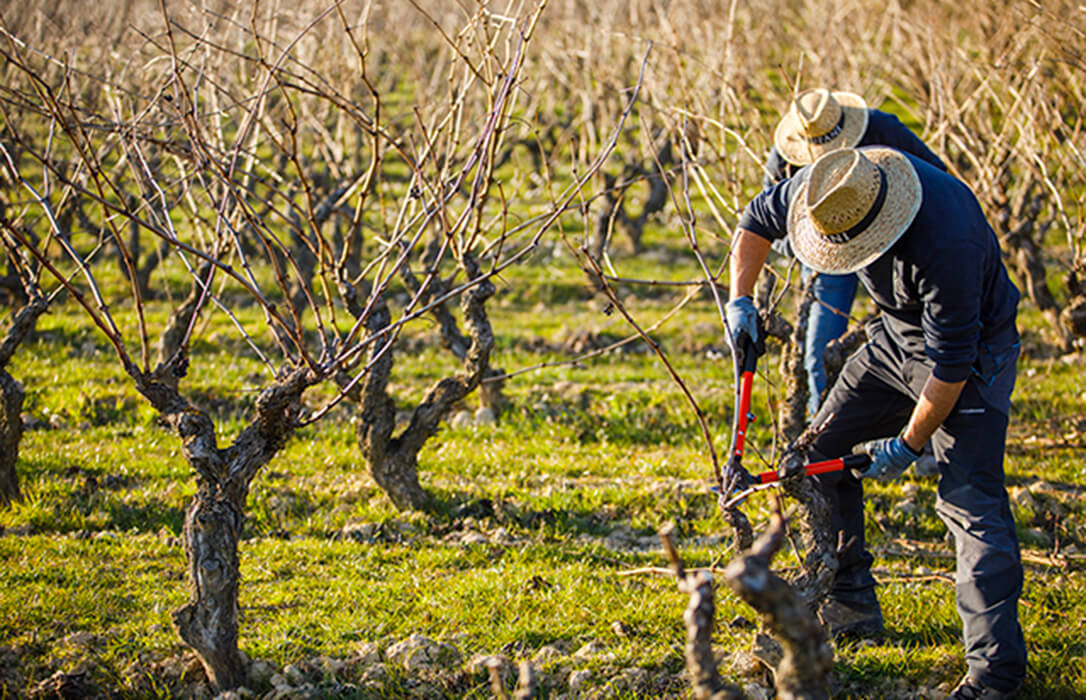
(746, 361)
(858, 462)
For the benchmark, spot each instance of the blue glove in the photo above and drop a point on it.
(889, 458)
(742, 318)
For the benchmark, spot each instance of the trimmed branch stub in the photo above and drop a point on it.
(804, 670)
(699, 620)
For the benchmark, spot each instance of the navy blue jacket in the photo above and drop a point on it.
(883, 129)
(942, 288)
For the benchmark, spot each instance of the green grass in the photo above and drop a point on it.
(568, 490)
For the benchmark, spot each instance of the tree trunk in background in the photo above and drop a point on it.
(491, 389)
(491, 394)
(12, 395)
(614, 207)
(394, 460)
(1022, 221)
(11, 432)
(1029, 264)
(393, 470)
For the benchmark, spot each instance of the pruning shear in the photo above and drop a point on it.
(745, 360)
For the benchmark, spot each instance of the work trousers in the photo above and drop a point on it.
(873, 398)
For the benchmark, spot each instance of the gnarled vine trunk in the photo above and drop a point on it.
(11, 399)
(803, 672)
(208, 622)
(11, 433)
(393, 460)
(699, 619)
(816, 535)
(615, 189)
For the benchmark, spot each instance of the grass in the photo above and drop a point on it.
(566, 490)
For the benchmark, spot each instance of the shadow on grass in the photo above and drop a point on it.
(448, 512)
(1045, 689)
(91, 505)
(930, 634)
(148, 517)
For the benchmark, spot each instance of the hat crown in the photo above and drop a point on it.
(818, 112)
(843, 187)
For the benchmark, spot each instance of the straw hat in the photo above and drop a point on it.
(820, 121)
(853, 205)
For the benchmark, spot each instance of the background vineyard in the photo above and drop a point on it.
(540, 541)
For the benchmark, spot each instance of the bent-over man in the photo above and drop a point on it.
(939, 365)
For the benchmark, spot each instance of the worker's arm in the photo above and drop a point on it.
(936, 401)
(749, 251)
(892, 456)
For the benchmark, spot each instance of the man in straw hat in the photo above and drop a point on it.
(819, 121)
(939, 365)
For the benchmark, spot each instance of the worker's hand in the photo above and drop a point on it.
(742, 318)
(889, 458)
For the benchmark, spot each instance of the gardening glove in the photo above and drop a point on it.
(889, 458)
(742, 318)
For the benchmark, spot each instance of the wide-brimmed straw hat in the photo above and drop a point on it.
(819, 121)
(852, 206)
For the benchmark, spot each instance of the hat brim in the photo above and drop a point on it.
(793, 145)
(903, 197)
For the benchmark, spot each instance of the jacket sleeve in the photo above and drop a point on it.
(767, 214)
(884, 129)
(951, 286)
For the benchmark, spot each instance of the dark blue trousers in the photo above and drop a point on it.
(873, 398)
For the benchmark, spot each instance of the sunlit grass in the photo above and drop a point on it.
(587, 459)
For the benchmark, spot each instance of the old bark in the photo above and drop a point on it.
(11, 433)
(172, 348)
(699, 620)
(817, 540)
(393, 460)
(395, 471)
(700, 662)
(11, 400)
(491, 389)
(740, 524)
(837, 351)
(213, 522)
(793, 412)
(804, 670)
(817, 543)
(12, 286)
